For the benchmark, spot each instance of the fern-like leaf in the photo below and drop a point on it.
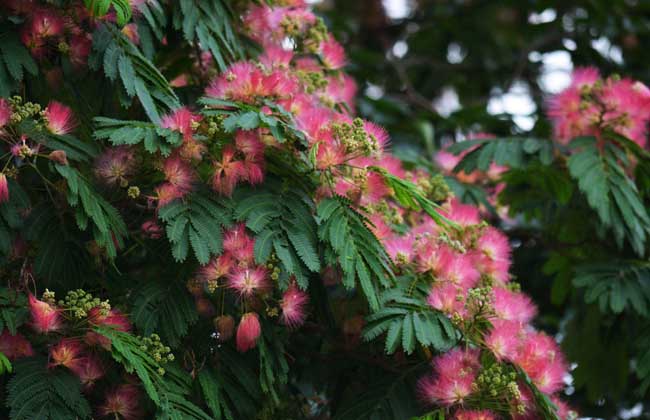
(609, 191)
(36, 392)
(284, 223)
(362, 258)
(195, 221)
(165, 308)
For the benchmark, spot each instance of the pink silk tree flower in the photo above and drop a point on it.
(59, 118)
(293, 305)
(248, 332)
(45, 318)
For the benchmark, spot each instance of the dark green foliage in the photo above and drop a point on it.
(61, 258)
(616, 286)
(280, 123)
(109, 229)
(99, 8)
(36, 392)
(153, 137)
(284, 224)
(601, 176)
(387, 398)
(208, 24)
(13, 311)
(509, 151)
(15, 60)
(195, 221)
(10, 215)
(165, 308)
(168, 390)
(119, 57)
(407, 320)
(643, 363)
(604, 370)
(232, 388)
(361, 256)
(274, 369)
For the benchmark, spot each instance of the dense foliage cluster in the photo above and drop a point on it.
(195, 224)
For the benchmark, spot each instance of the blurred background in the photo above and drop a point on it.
(435, 71)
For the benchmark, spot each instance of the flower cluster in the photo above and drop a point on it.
(55, 119)
(252, 284)
(297, 79)
(592, 104)
(51, 32)
(67, 327)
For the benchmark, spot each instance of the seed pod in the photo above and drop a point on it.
(225, 326)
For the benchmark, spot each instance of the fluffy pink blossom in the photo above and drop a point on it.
(244, 81)
(330, 154)
(463, 214)
(570, 116)
(166, 193)
(178, 173)
(494, 254)
(541, 358)
(332, 54)
(247, 281)
(80, 46)
(431, 256)
(228, 172)
(267, 24)
(115, 166)
(451, 382)
(123, 402)
(275, 56)
(89, 369)
(249, 143)
(5, 112)
(341, 89)
(59, 118)
(68, 353)
(513, 306)
(45, 23)
(248, 332)
(152, 229)
(180, 120)
(293, 305)
(459, 269)
(504, 339)
(239, 244)
(400, 248)
(448, 298)
(14, 346)
(4, 188)
(45, 318)
(474, 415)
(217, 268)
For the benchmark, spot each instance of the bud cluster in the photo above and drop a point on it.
(355, 138)
(158, 351)
(272, 266)
(23, 111)
(79, 302)
(496, 381)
